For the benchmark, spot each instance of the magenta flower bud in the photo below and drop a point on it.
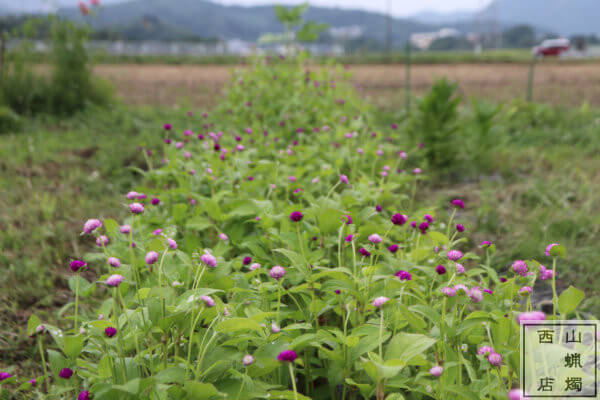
(393, 248)
(248, 360)
(114, 280)
(66, 373)
(157, 232)
(91, 225)
(126, 229)
(287, 356)
(85, 395)
(460, 228)
(209, 260)
(417, 171)
(531, 316)
(151, 257)
(485, 350)
(110, 331)
(172, 244)
(223, 237)
(454, 255)
(545, 273)
(102, 241)
(4, 376)
(33, 382)
(448, 291)
(208, 301)
(458, 203)
(460, 269)
(364, 252)
(167, 127)
(485, 244)
(348, 219)
(247, 260)
(136, 208)
(378, 208)
(76, 265)
(436, 371)
(179, 145)
(549, 248)
(423, 226)
(404, 275)
(495, 359)
(349, 238)
(114, 262)
(520, 267)
(155, 201)
(344, 179)
(515, 394)
(142, 196)
(428, 218)
(476, 295)
(132, 195)
(399, 219)
(375, 238)
(296, 216)
(277, 272)
(440, 269)
(525, 290)
(254, 266)
(380, 301)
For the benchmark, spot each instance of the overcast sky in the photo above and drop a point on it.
(399, 7)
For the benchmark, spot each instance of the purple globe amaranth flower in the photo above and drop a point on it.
(223, 237)
(142, 196)
(287, 356)
(461, 289)
(393, 248)
(110, 331)
(380, 301)
(296, 216)
(348, 219)
(436, 371)
(85, 395)
(33, 382)
(66, 373)
(423, 226)
(209, 260)
(428, 218)
(375, 238)
(151, 257)
(167, 127)
(247, 260)
(503, 279)
(378, 208)
(155, 201)
(4, 376)
(337, 291)
(277, 272)
(157, 232)
(136, 208)
(102, 241)
(454, 255)
(545, 273)
(114, 262)
(485, 350)
(349, 238)
(344, 179)
(440, 269)
(460, 228)
(248, 360)
(126, 229)
(399, 219)
(448, 291)
(525, 290)
(364, 252)
(91, 225)
(495, 359)
(404, 275)
(520, 267)
(114, 280)
(531, 316)
(549, 248)
(515, 394)
(458, 203)
(76, 265)
(413, 224)
(208, 301)
(476, 295)
(485, 244)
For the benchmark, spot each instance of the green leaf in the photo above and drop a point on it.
(405, 346)
(32, 324)
(569, 300)
(238, 324)
(200, 391)
(171, 375)
(73, 346)
(179, 211)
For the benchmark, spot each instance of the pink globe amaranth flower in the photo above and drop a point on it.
(520, 267)
(476, 295)
(247, 260)
(454, 255)
(549, 248)
(423, 226)
(495, 359)
(485, 244)
(132, 195)
(460, 269)
(375, 238)
(440, 269)
(458, 203)
(349, 238)
(344, 179)
(417, 171)
(436, 371)
(223, 237)
(114, 262)
(460, 228)
(428, 218)
(172, 244)
(545, 273)
(399, 219)
(209, 260)
(404, 275)
(114, 280)
(448, 291)
(126, 229)
(136, 208)
(167, 141)
(33, 382)
(461, 289)
(91, 225)
(277, 272)
(179, 145)
(151, 257)
(531, 316)
(4, 376)
(155, 201)
(525, 290)
(364, 252)
(157, 232)
(208, 301)
(275, 328)
(110, 331)
(360, 150)
(413, 224)
(102, 241)
(187, 154)
(167, 127)
(247, 360)
(142, 196)
(85, 395)
(76, 265)
(378, 208)
(515, 394)
(66, 373)
(485, 350)
(379, 152)
(296, 216)
(393, 248)
(380, 301)
(292, 178)
(254, 266)
(315, 181)
(287, 356)
(40, 329)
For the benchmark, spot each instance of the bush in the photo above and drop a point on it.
(9, 120)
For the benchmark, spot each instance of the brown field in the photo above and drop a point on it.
(557, 84)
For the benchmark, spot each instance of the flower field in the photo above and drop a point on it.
(281, 246)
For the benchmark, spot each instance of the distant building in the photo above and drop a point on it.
(423, 40)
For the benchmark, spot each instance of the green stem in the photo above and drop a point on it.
(278, 299)
(293, 381)
(192, 329)
(243, 383)
(76, 302)
(554, 295)
(41, 347)
(381, 335)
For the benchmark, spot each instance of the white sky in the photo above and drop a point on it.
(399, 7)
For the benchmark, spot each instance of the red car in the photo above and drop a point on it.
(552, 47)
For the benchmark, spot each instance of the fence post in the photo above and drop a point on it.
(530, 79)
(407, 78)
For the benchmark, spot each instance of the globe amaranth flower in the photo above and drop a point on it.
(91, 225)
(136, 208)
(277, 272)
(423, 226)
(404, 275)
(102, 241)
(132, 195)
(254, 266)
(380, 301)
(155, 201)
(378, 208)
(417, 171)
(296, 216)
(126, 229)
(428, 218)
(454, 255)
(4, 376)
(436, 371)
(525, 290)
(151, 257)
(440, 269)
(157, 232)
(375, 238)
(448, 291)
(520, 267)
(66, 373)
(495, 359)
(344, 179)
(223, 237)
(515, 394)
(209, 260)
(531, 316)
(287, 356)
(167, 127)
(485, 350)
(248, 360)
(247, 260)
(545, 273)
(461, 289)
(110, 331)
(172, 244)
(364, 252)
(460, 269)
(76, 265)
(114, 262)
(275, 328)
(85, 395)
(349, 238)
(458, 203)
(208, 301)
(40, 329)
(399, 219)
(393, 248)
(348, 219)
(485, 244)
(114, 280)
(460, 228)
(549, 248)
(476, 295)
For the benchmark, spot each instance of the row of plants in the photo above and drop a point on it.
(275, 248)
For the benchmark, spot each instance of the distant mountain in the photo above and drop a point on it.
(434, 17)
